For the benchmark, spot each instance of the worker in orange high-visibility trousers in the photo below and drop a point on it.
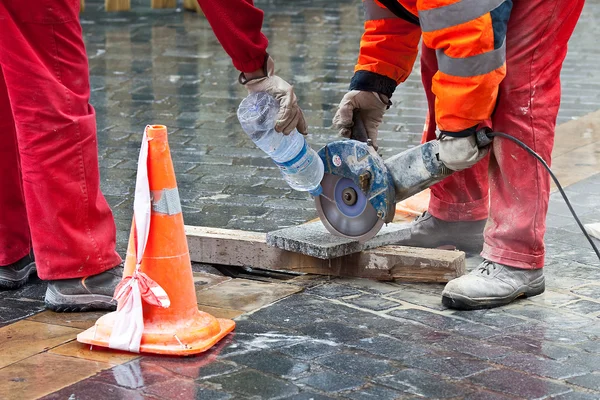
(493, 63)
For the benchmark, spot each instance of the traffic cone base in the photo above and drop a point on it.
(196, 336)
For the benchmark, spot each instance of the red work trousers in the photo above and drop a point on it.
(509, 187)
(49, 185)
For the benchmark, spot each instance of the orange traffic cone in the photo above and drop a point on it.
(157, 271)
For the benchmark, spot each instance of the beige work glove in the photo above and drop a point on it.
(369, 107)
(290, 115)
(458, 153)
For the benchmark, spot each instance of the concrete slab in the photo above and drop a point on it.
(314, 240)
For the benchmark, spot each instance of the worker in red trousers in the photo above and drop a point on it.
(493, 63)
(50, 194)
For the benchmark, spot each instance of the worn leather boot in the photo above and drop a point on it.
(492, 285)
(429, 231)
(17, 274)
(93, 292)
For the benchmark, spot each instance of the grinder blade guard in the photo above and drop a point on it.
(358, 193)
(356, 174)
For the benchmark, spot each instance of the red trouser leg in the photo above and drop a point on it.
(46, 73)
(14, 231)
(463, 196)
(536, 43)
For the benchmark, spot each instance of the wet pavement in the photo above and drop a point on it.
(321, 338)
(361, 339)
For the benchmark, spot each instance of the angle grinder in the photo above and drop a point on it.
(360, 189)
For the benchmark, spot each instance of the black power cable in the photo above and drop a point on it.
(560, 189)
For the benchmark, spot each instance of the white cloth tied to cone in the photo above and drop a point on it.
(129, 322)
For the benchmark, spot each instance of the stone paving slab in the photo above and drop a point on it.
(313, 239)
(244, 294)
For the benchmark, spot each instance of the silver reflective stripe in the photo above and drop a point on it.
(166, 201)
(455, 14)
(471, 66)
(373, 11)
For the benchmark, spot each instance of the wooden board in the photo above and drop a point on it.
(192, 5)
(163, 3)
(117, 5)
(242, 248)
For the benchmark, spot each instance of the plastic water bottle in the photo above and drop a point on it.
(300, 165)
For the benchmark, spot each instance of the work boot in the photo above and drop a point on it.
(15, 275)
(93, 292)
(492, 285)
(429, 231)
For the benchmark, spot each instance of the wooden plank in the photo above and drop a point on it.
(242, 248)
(163, 3)
(189, 5)
(415, 264)
(117, 5)
(192, 5)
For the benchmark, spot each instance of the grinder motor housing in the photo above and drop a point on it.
(384, 183)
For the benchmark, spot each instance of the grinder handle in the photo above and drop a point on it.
(359, 132)
(482, 138)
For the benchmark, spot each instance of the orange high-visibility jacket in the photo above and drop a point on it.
(469, 39)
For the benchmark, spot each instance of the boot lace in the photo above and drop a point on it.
(486, 267)
(422, 216)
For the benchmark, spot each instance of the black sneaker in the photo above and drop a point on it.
(17, 274)
(93, 292)
(431, 232)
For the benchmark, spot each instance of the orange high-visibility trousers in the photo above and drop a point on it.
(528, 102)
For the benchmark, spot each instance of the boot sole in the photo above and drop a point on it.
(58, 302)
(22, 278)
(458, 302)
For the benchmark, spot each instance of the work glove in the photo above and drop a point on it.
(368, 106)
(458, 153)
(290, 115)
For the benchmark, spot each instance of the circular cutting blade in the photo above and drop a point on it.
(357, 220)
